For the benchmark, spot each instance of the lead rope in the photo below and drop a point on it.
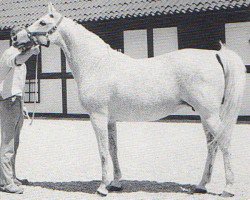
(35, 92)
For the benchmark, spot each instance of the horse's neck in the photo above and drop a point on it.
(83, 49)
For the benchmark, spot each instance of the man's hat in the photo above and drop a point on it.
(14, 31)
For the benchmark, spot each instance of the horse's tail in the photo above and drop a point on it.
(235, 78)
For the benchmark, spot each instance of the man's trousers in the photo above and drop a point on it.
(11, 115)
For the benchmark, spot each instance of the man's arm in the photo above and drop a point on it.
(24, 56)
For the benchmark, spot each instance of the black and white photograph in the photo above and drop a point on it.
(125, 99)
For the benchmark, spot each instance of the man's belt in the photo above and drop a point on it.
(1, 98)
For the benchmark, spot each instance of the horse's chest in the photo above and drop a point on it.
(93, 94)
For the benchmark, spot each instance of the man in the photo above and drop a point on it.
(12, 80)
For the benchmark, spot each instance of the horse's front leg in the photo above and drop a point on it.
(115, 184)
(100, 125)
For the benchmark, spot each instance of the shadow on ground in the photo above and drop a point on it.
(128, 186)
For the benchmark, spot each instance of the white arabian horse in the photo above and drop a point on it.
(115, 87)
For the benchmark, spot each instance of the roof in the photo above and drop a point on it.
(23, 12)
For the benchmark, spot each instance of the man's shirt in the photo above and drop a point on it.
(12, 77)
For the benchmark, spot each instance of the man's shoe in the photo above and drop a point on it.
(12, 188)
(19, 182)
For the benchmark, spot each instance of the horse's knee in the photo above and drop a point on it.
(225, 146)
(225, 151)
(111, 127)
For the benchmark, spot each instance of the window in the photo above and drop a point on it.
(142, 43)
(237, 38)
(165, 40)
(135, 43)
(32, 91)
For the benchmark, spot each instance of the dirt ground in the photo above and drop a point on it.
(158, 161)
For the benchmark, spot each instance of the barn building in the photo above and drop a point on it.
(139, 28)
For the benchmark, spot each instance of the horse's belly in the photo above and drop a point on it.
(144, 100)
(130, 111)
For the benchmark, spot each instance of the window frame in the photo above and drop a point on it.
(30, 93)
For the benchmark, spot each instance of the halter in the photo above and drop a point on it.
(34, 40)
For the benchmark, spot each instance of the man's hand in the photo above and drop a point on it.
(24, 56)
(25, 113)
(35, 50)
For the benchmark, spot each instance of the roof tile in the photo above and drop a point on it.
(23, 12)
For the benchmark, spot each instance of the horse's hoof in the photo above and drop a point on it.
(102, 191)
(227, 194)
(201, 190)
(228, 191)
(25, 182)
(114, 186)
(101, 194)
(21, 182)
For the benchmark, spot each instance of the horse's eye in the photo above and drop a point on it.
(51, 15)
(42, 23)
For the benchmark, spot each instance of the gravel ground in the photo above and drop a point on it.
(158, 161)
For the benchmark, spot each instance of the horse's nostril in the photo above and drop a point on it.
(14, 38)
(15, 43)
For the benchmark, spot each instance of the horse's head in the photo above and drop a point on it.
(41, 31)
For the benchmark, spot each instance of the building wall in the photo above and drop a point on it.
(50, 89)
(238, 39)
(236, 36)
(51, 59)
(50, 97)
(74, 106)
(4, 44)
(202, 32)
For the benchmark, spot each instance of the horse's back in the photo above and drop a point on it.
(161, 84)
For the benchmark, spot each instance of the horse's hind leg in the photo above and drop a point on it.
(226, 151)
(213, 124)
(112, 131)
(211, 154)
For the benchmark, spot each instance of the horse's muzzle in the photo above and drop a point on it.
(23, 46)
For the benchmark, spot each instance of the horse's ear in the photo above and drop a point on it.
(51, 8)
